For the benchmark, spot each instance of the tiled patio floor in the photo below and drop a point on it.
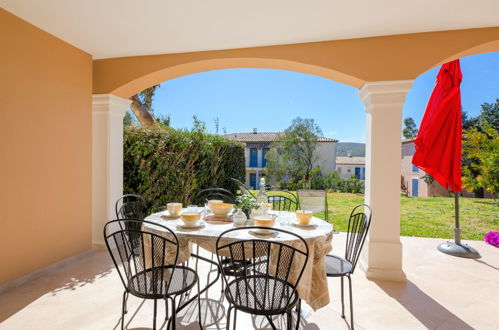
(442, 292)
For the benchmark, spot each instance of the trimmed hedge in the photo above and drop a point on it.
(173, 165)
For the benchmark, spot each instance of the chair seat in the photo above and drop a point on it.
(261, 295)
(337, 266)
(149, 284)
(232, 267)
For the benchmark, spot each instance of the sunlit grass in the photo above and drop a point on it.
(426, 217)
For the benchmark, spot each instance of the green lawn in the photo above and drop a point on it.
(427, 217)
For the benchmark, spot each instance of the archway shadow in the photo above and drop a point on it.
(70, 276)
(423, 307)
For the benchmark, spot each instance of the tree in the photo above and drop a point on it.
(479, 131)
(297, 149)
(142, 107)
(164, 121)
(277, 166)
(410, 130)
(481, 148)
(490, 115)
(128, 119)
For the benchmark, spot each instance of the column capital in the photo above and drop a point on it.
(384, 92)
(109, 103)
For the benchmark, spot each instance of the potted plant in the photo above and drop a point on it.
(247, 203)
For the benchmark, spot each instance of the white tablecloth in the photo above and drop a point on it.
(313, 287)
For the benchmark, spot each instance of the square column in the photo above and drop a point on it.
(107, 160)
(382, 255)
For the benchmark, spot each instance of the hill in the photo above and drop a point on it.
(356, 149)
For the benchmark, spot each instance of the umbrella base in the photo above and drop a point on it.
(459, 250)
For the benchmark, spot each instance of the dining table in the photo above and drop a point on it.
(313, 285)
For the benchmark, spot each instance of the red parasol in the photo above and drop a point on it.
(438, 144)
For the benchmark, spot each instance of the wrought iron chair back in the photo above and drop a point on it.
(282, 200)
(132, 207)
(145, 261)
(242, 187)
(272, 271)
(313, 200)
(214, 193)
(358, 226)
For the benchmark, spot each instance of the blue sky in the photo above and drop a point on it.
(269, 99)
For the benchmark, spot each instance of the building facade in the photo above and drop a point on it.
(413, 177)
(348, 166)
(257, 144)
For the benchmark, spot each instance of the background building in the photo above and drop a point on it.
(349, 165)
(413, 177)
(257, 144)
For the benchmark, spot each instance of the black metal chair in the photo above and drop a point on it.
(282, 200)
(358, 226)
(215, 193)
(267, 286)
(131, 206)
(147, 263)
(242, 187)
(313, 200)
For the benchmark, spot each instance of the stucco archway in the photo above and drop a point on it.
(383, 68)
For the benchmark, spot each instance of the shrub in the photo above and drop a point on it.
(330, 181)
(173, 165)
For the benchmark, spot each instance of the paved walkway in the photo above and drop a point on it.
(442, 292)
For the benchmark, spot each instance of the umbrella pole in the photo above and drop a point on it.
(455, 248)
(457, 230)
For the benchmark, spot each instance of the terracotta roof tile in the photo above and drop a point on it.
(350, 160)
(264, 137)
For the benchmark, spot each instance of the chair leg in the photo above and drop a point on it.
(174, 315)
(298, 314)
(228, 318)
(125, 299)
(155, 308)
(342, 300)
(289, 323)
(269, 318)
(123, 310)
(351, 302)
(199, 306)
(235, 318)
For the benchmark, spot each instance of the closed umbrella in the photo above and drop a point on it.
(438, 145)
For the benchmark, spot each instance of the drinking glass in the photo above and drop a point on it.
(284, 218)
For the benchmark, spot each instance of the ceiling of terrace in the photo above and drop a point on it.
(116, 28)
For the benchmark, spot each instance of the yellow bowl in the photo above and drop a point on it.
(303, 217)
(190, 218)
(264, 221)
(220, 209)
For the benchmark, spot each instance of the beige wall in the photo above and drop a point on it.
(352, 62)
(45, 148)
(326, 152)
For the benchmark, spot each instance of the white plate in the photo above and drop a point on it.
(263, 232)
(183, 226)
(308, 226)
(170, 217)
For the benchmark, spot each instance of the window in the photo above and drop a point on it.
(252, 180)
(357, 172)
(415, 169)
(415, 187)
(339, 170)
(349, 170)
(253, 157)
(264, 160)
